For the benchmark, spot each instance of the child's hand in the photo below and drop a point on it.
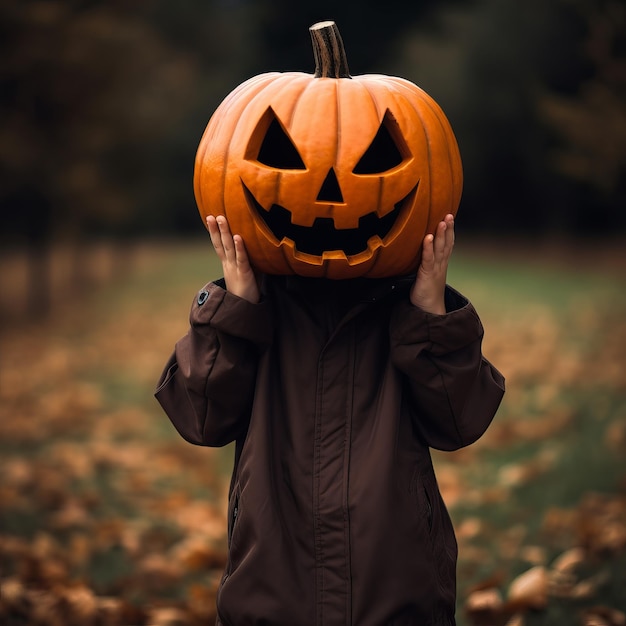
(238, 273)
(428, 290)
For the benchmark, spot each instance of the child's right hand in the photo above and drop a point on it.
(231, 251)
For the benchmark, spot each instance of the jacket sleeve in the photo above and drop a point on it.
(455, 390)
(207, 386)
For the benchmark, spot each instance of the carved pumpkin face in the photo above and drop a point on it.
(329, 177)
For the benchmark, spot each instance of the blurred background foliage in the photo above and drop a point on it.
(102, 104)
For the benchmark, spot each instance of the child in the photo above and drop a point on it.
(333, 392)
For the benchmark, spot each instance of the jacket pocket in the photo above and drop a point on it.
(234, 508)
(423, 499)
(440, 530)
(233, 514)
(428, 508)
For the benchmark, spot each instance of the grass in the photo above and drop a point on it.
(561, 329)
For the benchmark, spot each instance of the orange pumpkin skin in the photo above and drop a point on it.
(330, 206)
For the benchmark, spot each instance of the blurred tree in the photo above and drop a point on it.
(87, 92)
(591, 124)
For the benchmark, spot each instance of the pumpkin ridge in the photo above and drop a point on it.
(398, 99)
(308, 85)
(282, 82)
(374, 101)
(337, 123)
(450, 168)
(454, 159)
(285, 83)
(296, 102)
(411, 99)
(381, 181)
(429, 161)
(353, 89)
(208, 139)
(302, 101)
(439, 116)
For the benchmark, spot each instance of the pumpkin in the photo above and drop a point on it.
(328, 175)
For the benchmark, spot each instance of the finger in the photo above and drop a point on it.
(450, 235)
(227, 238)
(241, 253)
(214, 232)
(211, 224)
(427, 252)
(440, 240)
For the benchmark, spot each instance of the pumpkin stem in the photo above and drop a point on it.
(328, 50)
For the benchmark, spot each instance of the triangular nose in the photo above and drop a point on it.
(330, 190)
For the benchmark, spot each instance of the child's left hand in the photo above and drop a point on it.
(428, 289)
(231, 251)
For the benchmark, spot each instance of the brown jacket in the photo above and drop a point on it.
(334, 392)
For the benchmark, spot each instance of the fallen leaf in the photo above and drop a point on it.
(168, 617)
(569, 560)
(529, 590)
(484, 600)
(603, 616)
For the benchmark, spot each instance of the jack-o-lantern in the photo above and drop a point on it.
(329, 175)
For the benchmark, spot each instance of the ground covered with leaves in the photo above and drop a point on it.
(109, 518)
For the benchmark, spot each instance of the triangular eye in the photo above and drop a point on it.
(387, 150)
(277, 149)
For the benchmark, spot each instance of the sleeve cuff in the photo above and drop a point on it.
(445, 333)
(214, 308)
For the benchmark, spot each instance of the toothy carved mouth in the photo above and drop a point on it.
(322, 236)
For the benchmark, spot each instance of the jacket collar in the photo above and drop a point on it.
(357, 289)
